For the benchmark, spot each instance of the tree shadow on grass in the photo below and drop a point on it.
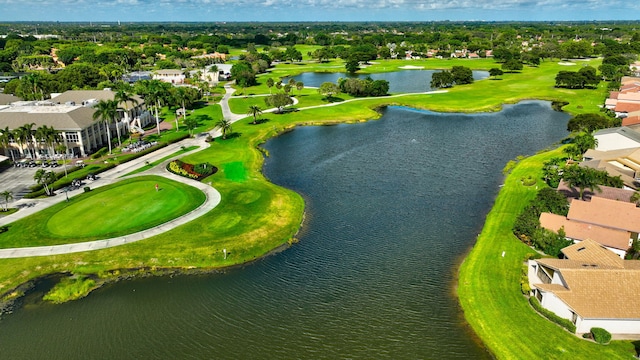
(332, 99)
(259, 121)
(233, 135)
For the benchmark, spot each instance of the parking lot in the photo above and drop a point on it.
(17, 180)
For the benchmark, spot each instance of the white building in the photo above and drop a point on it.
(71, 114)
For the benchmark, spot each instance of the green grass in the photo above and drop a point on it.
(256, 216)
(125, 207)
(489, 292)
(70, 289)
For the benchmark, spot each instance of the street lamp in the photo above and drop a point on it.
(66, 190)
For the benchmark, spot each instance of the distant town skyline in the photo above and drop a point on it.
(317, 10)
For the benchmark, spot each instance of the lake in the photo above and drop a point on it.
(392, 206)
(406, 81)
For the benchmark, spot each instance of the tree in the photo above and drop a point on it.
(582, 177)
(191, 123)
(299, 86)
(49, 136)
(585, 141)
(45, 178)
(5, 139)
(588, 122)
(270, 84)
(124, 96)
(352, 65)
(154, 92)
(107, 112)
(23, 136)
(442, 79)
(328, 89)
(512, 65)
(255, 111)
(462, 75)
(225, 127)
(7, 196)
(278, 100)
(495, 72)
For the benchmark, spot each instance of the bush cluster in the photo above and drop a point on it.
(191, 171)
(551, 316)
(600, 335)
(527, 225)
(100, 153)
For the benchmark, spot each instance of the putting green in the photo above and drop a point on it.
(126, 207)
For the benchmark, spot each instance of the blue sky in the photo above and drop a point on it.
(316, 10)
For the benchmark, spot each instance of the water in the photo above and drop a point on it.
(406, 81)
(392, 205)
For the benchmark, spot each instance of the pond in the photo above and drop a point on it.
(406, 81)
(392, 206)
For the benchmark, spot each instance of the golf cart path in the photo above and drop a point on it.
(213, 198)
(112, 176)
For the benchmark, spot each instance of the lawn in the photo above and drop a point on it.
(125, 207)
(256, 216)
(489, 286)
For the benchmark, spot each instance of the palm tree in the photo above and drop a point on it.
(179, 96)
(124, 95)
(7, 196)
(61, 148)
(34, 82)
(24, 135)
(154, 92)
(45, 178)
(255, 111)
(106, 111)
(5, 139)
(225, 127)
(582, 178)
(48, 135)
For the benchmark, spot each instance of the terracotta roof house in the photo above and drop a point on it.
(591, 287)
(633, 118)
(611, 214)
(617, 138)
(617, 241)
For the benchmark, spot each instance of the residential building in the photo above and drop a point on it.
(171, 76)
(591, 286)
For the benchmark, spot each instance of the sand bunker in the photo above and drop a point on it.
(411, 67)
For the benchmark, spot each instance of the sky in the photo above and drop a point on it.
(317, 10)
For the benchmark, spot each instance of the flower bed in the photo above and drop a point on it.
(196, 172)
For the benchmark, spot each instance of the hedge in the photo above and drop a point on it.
(552, 316)
(600, 335)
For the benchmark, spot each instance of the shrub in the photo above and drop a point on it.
(4, 228)
(600, 335)
(87, 189)
(552, 316)
(195, 172)
(100, 153)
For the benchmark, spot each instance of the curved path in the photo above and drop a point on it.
(30, 206)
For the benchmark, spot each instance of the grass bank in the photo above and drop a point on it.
(489, 287)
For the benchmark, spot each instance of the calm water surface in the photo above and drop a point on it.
(392, 205)
(406, 81)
